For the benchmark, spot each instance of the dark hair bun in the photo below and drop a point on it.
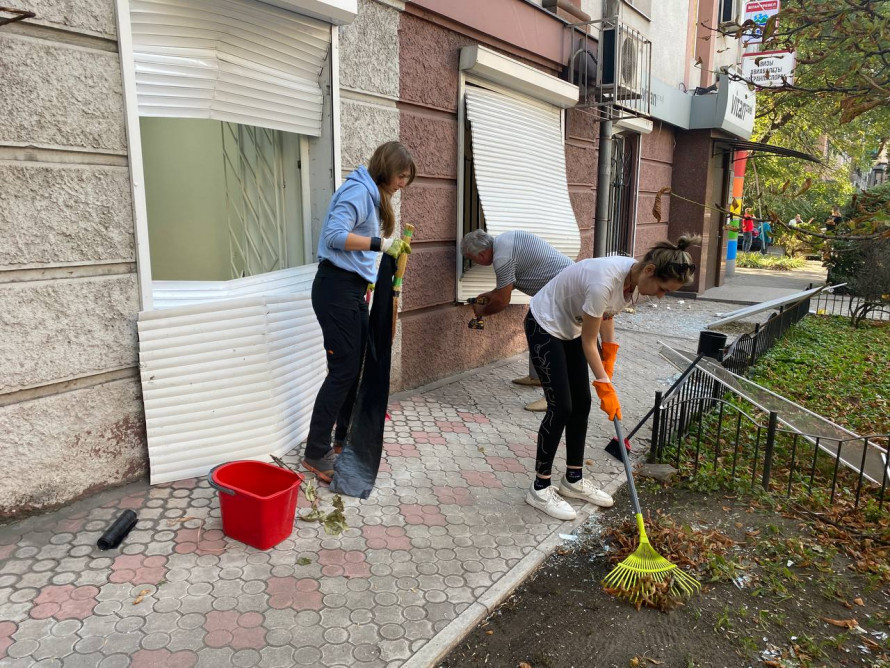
(688, 240)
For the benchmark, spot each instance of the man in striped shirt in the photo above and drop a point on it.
(522, 261)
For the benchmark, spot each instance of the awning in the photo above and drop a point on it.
(755, 147)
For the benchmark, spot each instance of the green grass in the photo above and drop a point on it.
(834, 370)
(776, 262)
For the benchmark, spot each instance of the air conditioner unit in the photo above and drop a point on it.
(729, 14)
(622, 52)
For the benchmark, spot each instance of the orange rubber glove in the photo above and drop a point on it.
(610, 352)
(608, 399)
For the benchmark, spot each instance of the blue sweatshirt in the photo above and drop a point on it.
(353, 209)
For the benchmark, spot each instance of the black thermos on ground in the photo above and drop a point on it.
(117, 531)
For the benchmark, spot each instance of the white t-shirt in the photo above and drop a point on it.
(594, 287)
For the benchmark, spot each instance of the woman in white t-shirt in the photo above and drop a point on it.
(562, 326)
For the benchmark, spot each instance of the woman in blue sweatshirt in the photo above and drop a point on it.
(359, 224)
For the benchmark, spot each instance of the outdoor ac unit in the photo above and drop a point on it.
(621, 59)
(729, 14)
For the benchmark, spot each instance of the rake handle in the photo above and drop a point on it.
(627, 470)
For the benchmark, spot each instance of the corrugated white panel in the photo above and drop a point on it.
(232, 379)
(479, 279)
(170, 294)
(239, 61)
(520, 167)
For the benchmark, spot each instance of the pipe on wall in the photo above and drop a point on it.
(603, 180)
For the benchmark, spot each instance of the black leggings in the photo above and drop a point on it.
(338, 299)
(562, 368)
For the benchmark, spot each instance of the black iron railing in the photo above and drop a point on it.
(748, 348)
(702, 423)
(832, 302)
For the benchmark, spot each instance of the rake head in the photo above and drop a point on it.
(643, 566)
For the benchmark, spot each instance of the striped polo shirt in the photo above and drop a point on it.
(526, 261)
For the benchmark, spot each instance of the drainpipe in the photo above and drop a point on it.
(604, 171)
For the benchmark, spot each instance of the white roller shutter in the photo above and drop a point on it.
(239, 61)
(233, 377)
(520, 167)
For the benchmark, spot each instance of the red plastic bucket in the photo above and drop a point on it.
(257, 501)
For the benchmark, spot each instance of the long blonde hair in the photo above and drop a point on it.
(389, 160)
(671, 261)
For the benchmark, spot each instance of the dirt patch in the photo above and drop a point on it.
(765, 601)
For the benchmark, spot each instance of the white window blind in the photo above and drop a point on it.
(520, 169)
(239, 61)
(232, 378)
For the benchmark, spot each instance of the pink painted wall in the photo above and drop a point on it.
(518, 23)
(436, 341)
(656, 172)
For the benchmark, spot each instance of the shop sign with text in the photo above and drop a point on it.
(759, 12)
(769, 69)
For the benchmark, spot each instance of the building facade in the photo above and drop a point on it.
(167, 167)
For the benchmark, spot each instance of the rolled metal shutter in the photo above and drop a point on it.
(520, 165)
(239, 61)
(233, 378)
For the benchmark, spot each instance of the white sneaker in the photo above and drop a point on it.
(584, 489)
(549, 501)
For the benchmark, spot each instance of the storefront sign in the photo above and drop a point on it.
(731, 109)
(769, 69)
(669, 104)
(760, 13)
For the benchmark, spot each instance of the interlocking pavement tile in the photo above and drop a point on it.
(7, 629)
(454, 496)
(299, 594)
(337, 655)
(65, 602)
(231, 629)
(428, 515)
(481, 479)
(277, 657)
(138, 569)
(307, 656)
(350, 564)
(211, 657)
(55, 647)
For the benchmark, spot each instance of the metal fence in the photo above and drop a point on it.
(701, 423)
(830, 302)
(748, 348)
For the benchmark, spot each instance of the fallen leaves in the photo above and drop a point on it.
(334, 522)
(142, 595)
(842, 623)
(180, 520)
(656, 207)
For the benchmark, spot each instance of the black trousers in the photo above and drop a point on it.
(562, 368)
(338, 299)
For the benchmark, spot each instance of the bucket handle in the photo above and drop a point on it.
(219, 488)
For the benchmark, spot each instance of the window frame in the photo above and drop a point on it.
(330, 128)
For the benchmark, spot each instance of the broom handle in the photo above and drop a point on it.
(666, 394)
(630, 476)
(401, 264)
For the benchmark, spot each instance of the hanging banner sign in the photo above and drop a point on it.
(760, 13)
(769, 69)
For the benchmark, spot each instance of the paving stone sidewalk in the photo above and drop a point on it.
(444, 538)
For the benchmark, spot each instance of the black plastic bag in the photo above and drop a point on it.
(356, 469)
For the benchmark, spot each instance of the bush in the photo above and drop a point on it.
(863, 265)
(760, 261)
